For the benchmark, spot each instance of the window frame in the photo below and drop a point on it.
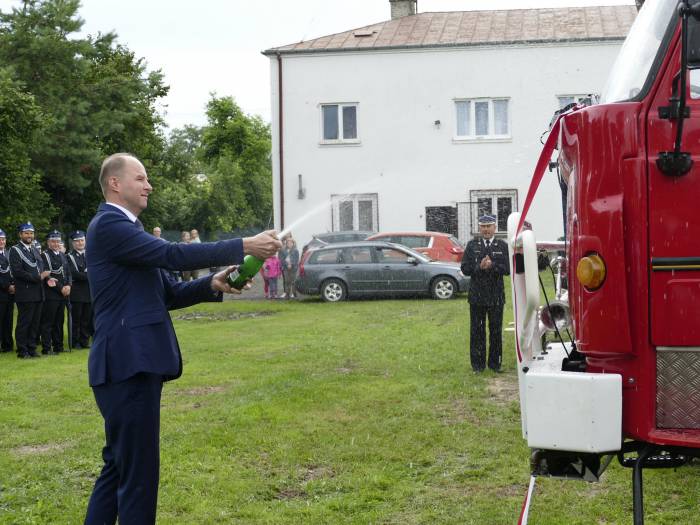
(355, 198)
(491, 136)
(494, 195)
(340, 140)
(578, 98)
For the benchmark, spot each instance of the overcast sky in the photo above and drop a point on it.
(214, 45)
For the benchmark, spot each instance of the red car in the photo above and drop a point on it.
(436, 245)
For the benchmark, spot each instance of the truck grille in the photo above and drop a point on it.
(678, 387)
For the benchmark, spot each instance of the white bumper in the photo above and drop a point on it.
(571, 411)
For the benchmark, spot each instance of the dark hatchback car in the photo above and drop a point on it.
(375, 268)
(324, 239)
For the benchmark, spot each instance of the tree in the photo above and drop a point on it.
(22, 197)
(173, 203)
(96, 97)
(236, 148)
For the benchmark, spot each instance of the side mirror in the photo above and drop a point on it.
(693, 40)
(412, 260)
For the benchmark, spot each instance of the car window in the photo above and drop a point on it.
(456, 242)
(413, 241)
(391, 255)
(327, 257)
(359, 255)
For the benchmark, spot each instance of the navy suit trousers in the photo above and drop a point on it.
(477, 346)
(128, 484)
(7, 312)
(27, 329)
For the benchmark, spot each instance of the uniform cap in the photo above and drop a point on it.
(54, 234)
(487, 219)
(77, 235)
(2, 233)
(25, 227)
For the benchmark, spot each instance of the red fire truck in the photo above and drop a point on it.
(625, 382)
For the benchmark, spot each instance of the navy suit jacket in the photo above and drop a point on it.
(131, 295)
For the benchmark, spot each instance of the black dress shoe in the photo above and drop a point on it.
(33, 354)
(23, 355)
(496, 370)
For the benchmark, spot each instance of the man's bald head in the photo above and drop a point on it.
(124, 182)
(113, 166)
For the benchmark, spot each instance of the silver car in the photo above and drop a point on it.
(375, 268)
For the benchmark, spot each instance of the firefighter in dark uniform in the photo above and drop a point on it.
(81, 307)
(28, 272)
(7, 297)
(56, 291)
(485, 261)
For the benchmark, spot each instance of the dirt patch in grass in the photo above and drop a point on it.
(456, 412)
(503, 389)
(30, 450)
(290, 493)
(202, 390)
(216, 316)
(347, 368)
(509, 491)
(314, 472)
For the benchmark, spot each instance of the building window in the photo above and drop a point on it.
(482, 118)
(441, 219)
(355, 212)
(339, 123)
(588, 100)
(499, 203)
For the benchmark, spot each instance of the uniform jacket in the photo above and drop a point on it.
(57, 265)
(26, 266)
(132, 293)
(80, 291)
(5, 279)
(486, 286)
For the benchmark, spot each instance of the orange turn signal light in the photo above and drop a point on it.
(590, 271)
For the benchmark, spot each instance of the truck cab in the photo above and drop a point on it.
(627, 380)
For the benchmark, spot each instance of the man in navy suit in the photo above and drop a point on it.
(134, 348)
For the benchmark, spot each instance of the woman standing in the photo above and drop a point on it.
(289, 256)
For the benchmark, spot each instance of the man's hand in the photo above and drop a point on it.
(65, 291)
(219, 282)
(11, 289)
(486, 263)
(263, 245)
(45, 274)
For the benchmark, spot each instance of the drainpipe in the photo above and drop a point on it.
(281, 136)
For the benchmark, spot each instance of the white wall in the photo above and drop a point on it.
(403, 156)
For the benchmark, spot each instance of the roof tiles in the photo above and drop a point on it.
(479, 28)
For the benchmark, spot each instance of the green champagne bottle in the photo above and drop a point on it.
(238, 278)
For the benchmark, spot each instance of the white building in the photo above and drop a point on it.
(428, 120)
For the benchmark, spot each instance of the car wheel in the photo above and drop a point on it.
(333, 290)
(443, 288)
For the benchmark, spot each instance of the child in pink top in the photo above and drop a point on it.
(271, 270)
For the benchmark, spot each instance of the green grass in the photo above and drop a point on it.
(360, 412)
